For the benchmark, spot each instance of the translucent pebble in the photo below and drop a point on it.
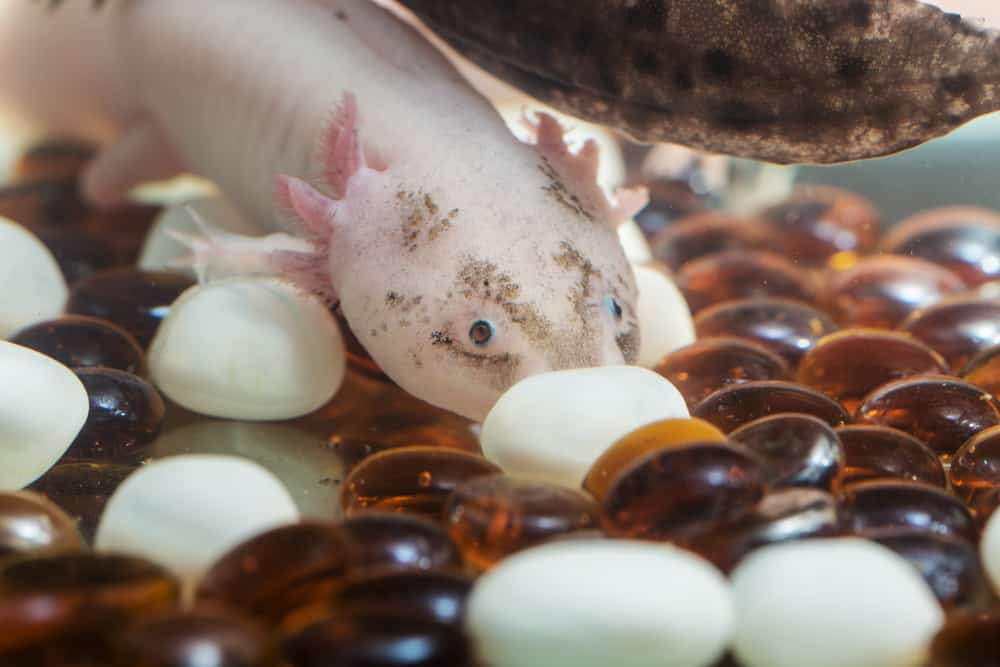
(43, 405)
(664, 317)
(989, 549)
(185, 512)
(634, 243)
(553, 426)
(595, 603)
(30, 523)
(248, 349)
(831, 602)
(33, 286)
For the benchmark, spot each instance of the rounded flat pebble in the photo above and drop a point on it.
(184, 512)
(599, 603)
(634, 243)
(838, 602)
(553, 426)
(84, 342)
(248, 349)
(33, 285)
(41, 412)
(663, 314)
(30, 523)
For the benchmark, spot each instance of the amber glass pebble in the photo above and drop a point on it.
(958, 328)
(278, 570)
(126, 414)
(83, 342)
(949, 564)
(874, 452)
(47, 596)
(200, 637)
(967, 639)
(125, 227)
(52, 160)
(731, 407)
(881, 290)
(493, 516)
(42, 203)
(384, 539)
(786, 327)
(879, 504)
(848, 364)
(675, 493)
(817, 222)
(31, 523)
(706, 233)
(983, 370)
(82, 490)
(135, 300)
(941, 411)
(975, 467)
(640, 442)
(77, 252)
(964, 239)
(732, 275)
(782, 515)
(411, 479)
(709, 364)
(797, 449)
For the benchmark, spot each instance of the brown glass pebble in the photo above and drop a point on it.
(949, 564)
(55, 159)
(707, 233)
(416, 480)
(967, 639)
(42, 203)
(670, 201)
(731, 407)
(880, 504)
(709, 364)
(135, 300)
(82, 490)
(733, 275)
(392, 540)
(77, 252)
(983, 370)
(786, 327)
(676, 493)
(30, 523)
(278, 570)
(798, 450)
(126, 227)
(494, 516)
(126, 414)
(941, 411)
(964, 239)
(200, 637)
(848, 364)
(47, 596)
(781, 516)
(957, 328)
(816, 223)
(84, 342)
(882, 290)
(643, 441)
(975, 467)
(876, 452)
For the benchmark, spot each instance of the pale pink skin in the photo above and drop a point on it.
(434, 218)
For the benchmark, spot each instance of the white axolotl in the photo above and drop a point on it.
(463, 259)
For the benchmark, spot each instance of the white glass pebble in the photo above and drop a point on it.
(33, 285)
(834, 602)
(248, 348)
(989, 550)
(665, 320)
(184, 512)
(43, 406)
(597, 603)
(634, 243)
(553, 426)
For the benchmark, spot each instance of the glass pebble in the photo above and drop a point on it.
(84, 342)
(30, 523)
(82, 490)
(137, 301)
(642, 441)
(786, 327)
(725, 276)
(77, 252)
(848, 364)
(733, 406)
(707, 233)
(709, 364)
(798, 450)
(52, 160)
(880, 504)
(882, 290)
(494, 516)
(942, 412)
(126, 227)
(957, 328)
(874, 452)
(670, 201)
(33, 286)
(676, 493)
(964, 239)
(393, 540)
(42, 203)
(967, 639)
(983, 370)
(975, 467)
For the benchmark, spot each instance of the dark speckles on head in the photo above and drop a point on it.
(560, 193)
(483, 279)
(422, 219)
(628, 343)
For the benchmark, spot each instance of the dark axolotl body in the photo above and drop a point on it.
(787, 81)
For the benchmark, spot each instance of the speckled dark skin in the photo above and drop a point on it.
(784, 81)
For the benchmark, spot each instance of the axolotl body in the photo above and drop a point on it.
(463, 259)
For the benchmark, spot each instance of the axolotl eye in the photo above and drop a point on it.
(613, 307)
(482, 332)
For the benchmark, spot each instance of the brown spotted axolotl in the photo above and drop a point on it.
(462, 258)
